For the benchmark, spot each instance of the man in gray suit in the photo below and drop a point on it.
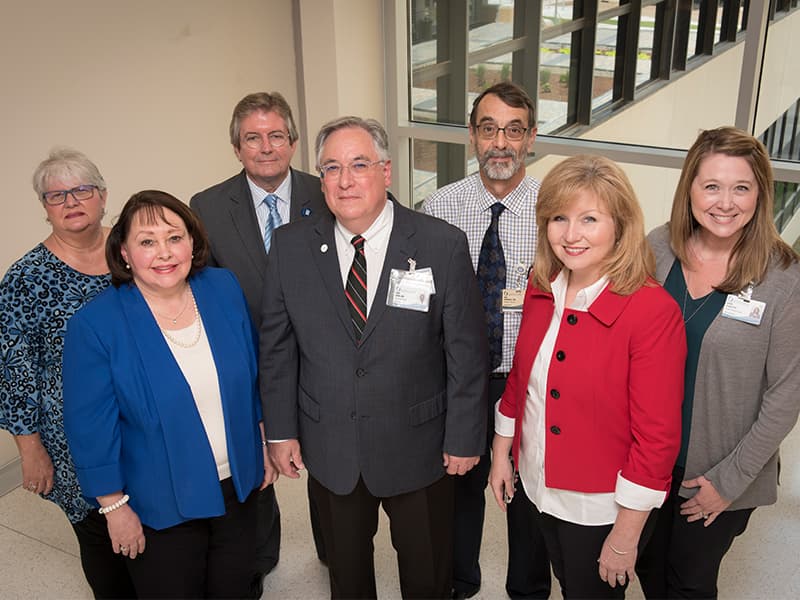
(372, 367)
(240, 215)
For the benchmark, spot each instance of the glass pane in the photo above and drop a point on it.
(718, 26)
(694, 22)
(430, 165)
(485, 75)
(554, 58)
(605, 54)
(557, 11)
(423, 54)
(644, 60)
(490, 22)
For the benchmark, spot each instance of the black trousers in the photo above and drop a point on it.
(574, 550)
(421, 532)
(528, 574)
(201, 558)
(105, 571)
(682, 559)
(268, 532)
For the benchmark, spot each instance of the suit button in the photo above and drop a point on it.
(554, 393)
(560, 355)
(555, 430)
(572, 319)
(353, 416)
(360, 372)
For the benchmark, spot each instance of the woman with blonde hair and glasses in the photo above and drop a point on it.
(591, 410)
(738, 286)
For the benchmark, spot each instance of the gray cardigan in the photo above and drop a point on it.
(747, 392)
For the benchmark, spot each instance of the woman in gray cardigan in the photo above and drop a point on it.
(738, 286)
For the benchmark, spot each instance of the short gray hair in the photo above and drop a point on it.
(65, 162)
(375, 130)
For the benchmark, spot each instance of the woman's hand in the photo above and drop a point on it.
(124, 527)
(37, 468)
(705, 504)
(501, 474)
(270, 471)
(620, 548)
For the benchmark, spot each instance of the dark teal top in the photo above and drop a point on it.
(697, 317)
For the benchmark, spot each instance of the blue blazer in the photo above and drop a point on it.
(130, 416)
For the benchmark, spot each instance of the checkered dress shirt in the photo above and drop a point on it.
(467, 205)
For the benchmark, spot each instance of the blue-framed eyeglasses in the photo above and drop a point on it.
(80, 193)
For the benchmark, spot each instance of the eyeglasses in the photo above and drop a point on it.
(357, 168)
(80, 193)
(488, 131)
(276, 139)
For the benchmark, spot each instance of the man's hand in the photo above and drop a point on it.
(459, 465)
(286, 457)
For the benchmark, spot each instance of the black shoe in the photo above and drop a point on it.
(461, 594)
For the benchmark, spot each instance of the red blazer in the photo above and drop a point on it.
(614, 389)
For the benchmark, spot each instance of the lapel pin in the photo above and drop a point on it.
(306, 212)
(323, 248)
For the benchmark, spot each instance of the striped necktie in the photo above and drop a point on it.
(356, 288)
(273, 219)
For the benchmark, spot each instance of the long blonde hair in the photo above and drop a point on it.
(630, 263)
(759, 242)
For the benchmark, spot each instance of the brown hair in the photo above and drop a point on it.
(263, 102)
(759, 242)
(512, 95)
(152, 203)
(631, 262)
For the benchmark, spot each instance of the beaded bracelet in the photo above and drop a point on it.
(118, 504)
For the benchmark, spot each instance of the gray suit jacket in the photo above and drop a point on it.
(236, 242)
(416, 386)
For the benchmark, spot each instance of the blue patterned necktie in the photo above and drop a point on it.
(491, 281)
(273, 219)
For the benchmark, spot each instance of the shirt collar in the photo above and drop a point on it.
(283, 191)
(514, 201)
(383, 220)
(583, 299)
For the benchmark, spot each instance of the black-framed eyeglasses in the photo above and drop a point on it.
(357, 168)
(276, 139)
(80, 193)
(514, 133)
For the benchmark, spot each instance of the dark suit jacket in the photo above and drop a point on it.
(386, 409)
(236, 242)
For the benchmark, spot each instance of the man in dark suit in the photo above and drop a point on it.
(372, 366)
(240, 215)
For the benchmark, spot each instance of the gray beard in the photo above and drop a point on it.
(499, 172)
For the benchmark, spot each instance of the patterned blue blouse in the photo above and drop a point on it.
(38, 295)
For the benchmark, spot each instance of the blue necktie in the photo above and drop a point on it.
(491, 281)
(273, 219)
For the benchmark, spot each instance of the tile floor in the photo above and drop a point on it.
(39, 554)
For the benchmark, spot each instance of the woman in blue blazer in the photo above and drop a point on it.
(161, 407)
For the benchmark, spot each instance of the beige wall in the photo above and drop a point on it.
(144, 88)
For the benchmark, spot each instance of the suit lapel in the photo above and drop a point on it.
(243, 216)
(399, 250)
(301, 198)
(328, 265)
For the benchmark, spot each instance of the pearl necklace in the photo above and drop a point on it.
(198, 330)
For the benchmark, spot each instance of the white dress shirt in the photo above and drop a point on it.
(575, 507)
(376, 240)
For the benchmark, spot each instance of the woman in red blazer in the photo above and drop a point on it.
(591, 411)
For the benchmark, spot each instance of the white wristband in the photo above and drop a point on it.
(119, 503)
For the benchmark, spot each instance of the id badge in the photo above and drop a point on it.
(412, 289)
(739, 309)
(514, 297)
